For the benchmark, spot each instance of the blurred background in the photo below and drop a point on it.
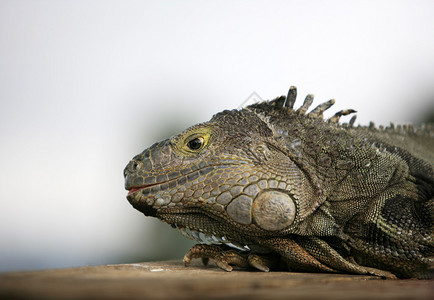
(86, 85)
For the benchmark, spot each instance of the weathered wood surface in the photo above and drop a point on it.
(171, 280)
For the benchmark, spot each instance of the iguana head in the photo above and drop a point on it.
(231, 179)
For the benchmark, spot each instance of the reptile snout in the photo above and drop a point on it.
(133, 172)
(130, 171)
(143, 169)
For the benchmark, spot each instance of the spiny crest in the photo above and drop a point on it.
(289, 101)
(423, 130)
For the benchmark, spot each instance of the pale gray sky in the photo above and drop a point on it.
(85, 85)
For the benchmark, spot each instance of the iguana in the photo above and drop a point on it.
(273, 187)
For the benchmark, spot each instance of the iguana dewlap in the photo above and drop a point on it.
(273, 187)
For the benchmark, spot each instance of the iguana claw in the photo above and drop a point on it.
(225, 258)
(258, 262)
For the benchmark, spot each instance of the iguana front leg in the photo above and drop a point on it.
(294, 257)
(313, 254)
(225, 257)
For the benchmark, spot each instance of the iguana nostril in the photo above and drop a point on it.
(134, 166)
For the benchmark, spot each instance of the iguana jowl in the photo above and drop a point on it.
(270, 186)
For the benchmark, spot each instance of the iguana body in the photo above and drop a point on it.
(290, 190)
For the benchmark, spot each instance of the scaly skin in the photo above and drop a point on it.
(290, 190)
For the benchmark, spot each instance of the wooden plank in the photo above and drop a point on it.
(171, 280)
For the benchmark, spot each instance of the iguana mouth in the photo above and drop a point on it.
(134, 189)
(145, 186)
(139, 188)
(201, 171)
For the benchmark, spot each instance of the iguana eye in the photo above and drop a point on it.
(196, 143)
